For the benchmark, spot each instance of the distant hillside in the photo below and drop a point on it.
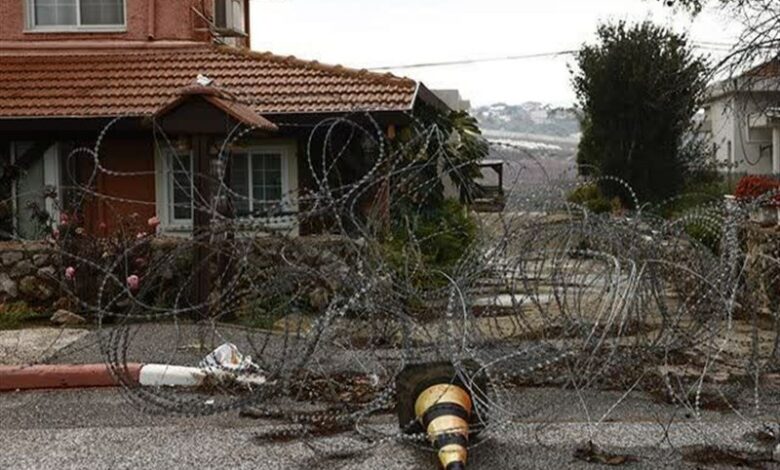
(536, 141)
(529, 118)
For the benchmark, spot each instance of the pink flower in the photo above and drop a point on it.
(133, 282)
(102, 226)
(153, 222)
(140, 235)
(70, 273)
(55, 234)
(64, 219)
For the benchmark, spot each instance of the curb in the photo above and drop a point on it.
(156, 375)
(57, 376)
(62, 376)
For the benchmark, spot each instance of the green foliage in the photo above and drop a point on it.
(14, 315)
(263, 312)
(429, 241)
(591, 197)
(704, 234)
(695, 195)
(439, 143)
(638, 89)
(465, 152)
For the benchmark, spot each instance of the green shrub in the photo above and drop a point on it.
(263, 312)
(695, 195)
(704, 235)
(432, 240)
(13, 315)
(592, 198)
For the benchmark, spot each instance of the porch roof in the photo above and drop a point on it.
(139, 81)
(222, 101)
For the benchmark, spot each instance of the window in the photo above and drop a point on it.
(180, 187)
(258, 182)
(261, 180)
(229, 16)
(76, 14)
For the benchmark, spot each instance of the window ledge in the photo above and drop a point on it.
(75, 30)
(243, 226)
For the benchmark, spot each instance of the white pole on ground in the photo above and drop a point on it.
(776, 150)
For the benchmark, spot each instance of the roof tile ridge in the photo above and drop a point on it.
(386, 78)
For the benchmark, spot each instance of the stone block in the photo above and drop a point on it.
(22, 268)
(11, 257)
(8, 286)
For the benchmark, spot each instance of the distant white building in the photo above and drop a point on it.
(453, 99)
(742, 120)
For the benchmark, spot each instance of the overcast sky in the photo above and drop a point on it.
(375, 33)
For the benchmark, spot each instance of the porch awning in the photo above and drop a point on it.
(220, 100)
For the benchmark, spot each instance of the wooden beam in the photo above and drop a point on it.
(225, 263)
(201, 223)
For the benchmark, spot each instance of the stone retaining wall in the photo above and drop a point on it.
(28, 272)
(763, 273)
(33, 272)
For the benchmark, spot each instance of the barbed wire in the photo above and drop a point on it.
(543, 292)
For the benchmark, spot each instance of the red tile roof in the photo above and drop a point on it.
(139, 81)
(769, 69)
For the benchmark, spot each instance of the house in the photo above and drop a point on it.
(488, 193)
(155, 86)
(453, 99)
(742, 121)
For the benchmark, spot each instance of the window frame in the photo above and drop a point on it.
(169, 182)
(230, 22)
(287, 150)
(52, 176)
(31, 27)
(249, 152)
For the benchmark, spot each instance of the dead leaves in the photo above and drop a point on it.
(591, 453)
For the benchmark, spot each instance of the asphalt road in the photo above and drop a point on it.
(99, 429)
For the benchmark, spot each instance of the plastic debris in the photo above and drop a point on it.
(228, 358)
(203, 80)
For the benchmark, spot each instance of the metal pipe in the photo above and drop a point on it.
(152, 19)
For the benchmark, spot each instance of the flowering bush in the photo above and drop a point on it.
(122, 258)
(762, 189)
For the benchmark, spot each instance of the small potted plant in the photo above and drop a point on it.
(763, 193)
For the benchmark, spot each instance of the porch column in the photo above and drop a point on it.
(776, 150)
(201, 226)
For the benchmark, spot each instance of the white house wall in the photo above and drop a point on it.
(750, 150)
(753, 156)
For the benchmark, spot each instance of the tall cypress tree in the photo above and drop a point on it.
(638, 88)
